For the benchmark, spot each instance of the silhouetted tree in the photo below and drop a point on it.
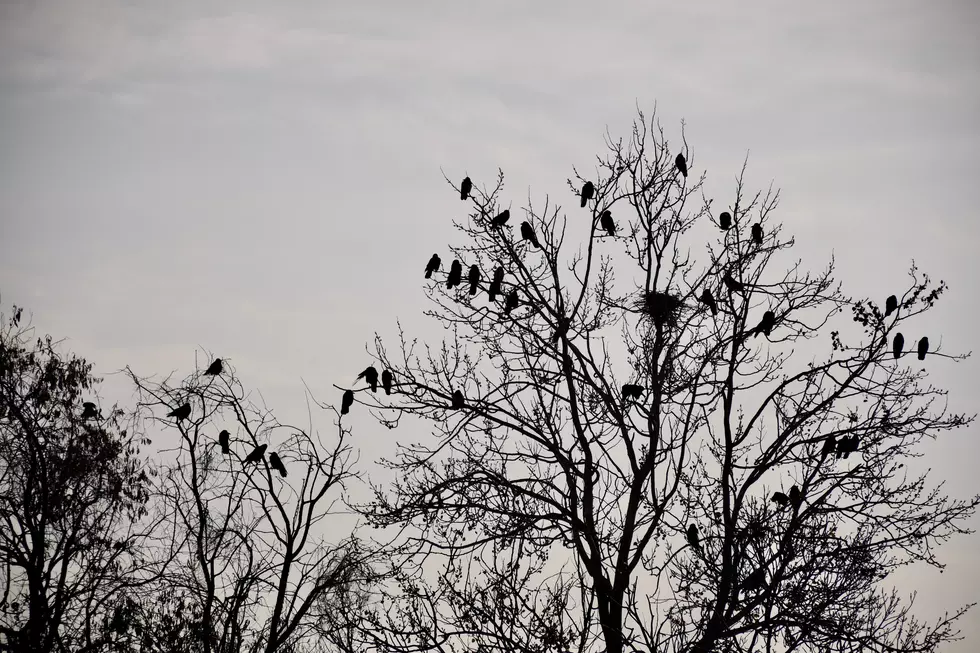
(546, 514)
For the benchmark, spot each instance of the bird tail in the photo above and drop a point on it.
(584, 200)
(428, 274)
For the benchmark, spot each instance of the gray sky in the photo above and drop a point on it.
(263, 179)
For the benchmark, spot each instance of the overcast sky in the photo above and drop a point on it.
(263, 179)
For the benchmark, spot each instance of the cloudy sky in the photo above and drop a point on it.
(263, 179)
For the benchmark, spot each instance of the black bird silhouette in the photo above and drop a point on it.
(89, 410)
(465, 188)
(371, 376)
(843, 446)
(795, 497)
(511, 302)
(527, 233)
(828, 447)
(588, 190)
(215, 368)
(681, 164)
(891, 305)
(498, 279)
(780, 498)
(632, 390)
(386, 381)
(458, 400)
(181, 413)
(223, 440)
(757, 233)
(501, 219)
(923, 348)
(474, 279)
(276, 464)
(432, 265)
(709, 300)
(455, 274)
(897, 345)
(766, 324)
(692, 536)
(725, 220)
(606, 222)
(755, 580)
(346, 402)
(256, 454)
(732, 284)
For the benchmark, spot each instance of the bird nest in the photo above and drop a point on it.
(662, 308)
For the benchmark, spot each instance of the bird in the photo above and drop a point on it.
(898, 343)
(795, 497)
(757, 233)
(681, 164)
(465, 188)
(766, 324)
(828, 447)
(692, 536)
(498, 279)
(181, 412)
(588, 190)
(457, 399)
(606, 222)
(842, 446)
(215, 368)
(527, 233)
(891, 305)
(709, 300)
(386, 381)
(755, 580)
(89, 410)
(632, 390)
(223, 438)
(725, 220)
(780, 498)
(474, 279)
(346, 402)
(501, 219)
(732, 284)
(432, 266)
(277, 464)
(256, 454)
(511, 302)
(371, 376)
(455, 274)
(923, 348)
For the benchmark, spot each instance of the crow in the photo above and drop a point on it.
(474, 279)
(755, 580)
(766, 324)
(223, 440)
(891, 305)
(897, 345)
(588, 190)
(606, 222)
(498, 279)
(732, 284)
(215, 368)
(681, 164)
(725, 220)
(692, 536)
(432, 266)
(527, 233)
(757, 233)
(276, 464)
(465, 188)
(780, 498)
(709, 300)
(458, 400)
(795, 497)
(89, 410)
(511, 302)
(501, 219)
(371, 376)
(386, 381)
(828, 447)
(256, 454)
(923, 348)
(346, 402)
(632, 390)
(455, 274)
(843, 445)
(181, 413)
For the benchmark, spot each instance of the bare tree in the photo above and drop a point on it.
(73, 495)
(659, 438)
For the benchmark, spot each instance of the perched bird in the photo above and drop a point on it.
(755, 580)
(757, 233)
(780, 498)
(709, 300)
(498, 279)
(923, 348)
(386, 381)
(215, 368)
(465, 188)
(346, 402)
(632, 390)
(276, 464)
(501, 219)
(458, 400)
(474, 279)
(828, 447)
(843, 446)
(795, 497)
(371, 376)
(692, 536)
(731, 284)
(588, 190)
(181, 413)
(432, 266)
(606, 222)
(511, 302)
(766, 324)
(256, 454)
(891, 305)
(897, 345)
(89, 410)
(681, 164)
(527, 233)
(223, 440)
(725, 220)
(455, 274)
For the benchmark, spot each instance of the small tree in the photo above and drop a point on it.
(74, 493)
(644, 441)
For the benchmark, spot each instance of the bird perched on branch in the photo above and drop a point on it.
(891, 305)
(455, 274)
(766, 324)
(725, 220)
(923, 348)
(755, 580)
(474, 279)
(511, 302)
(89, 410)
(215, 368)
(588, 191)
(386, 380)
(495, 284)
(465, 188)
(181, 412)
(501, 219)
(432, 266)
(708, 300)
(346, 402)
(898, 343)
(757, 233)
(795, 497)
(828, 447)
(527, 233)
(681, 164)
(371, 376)
(780, 498)
(692, 536)
(276, 464)
(606, 222)
(256, 454)
(632, 390)
(224, 441)
(732, 284)
(458, 401)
